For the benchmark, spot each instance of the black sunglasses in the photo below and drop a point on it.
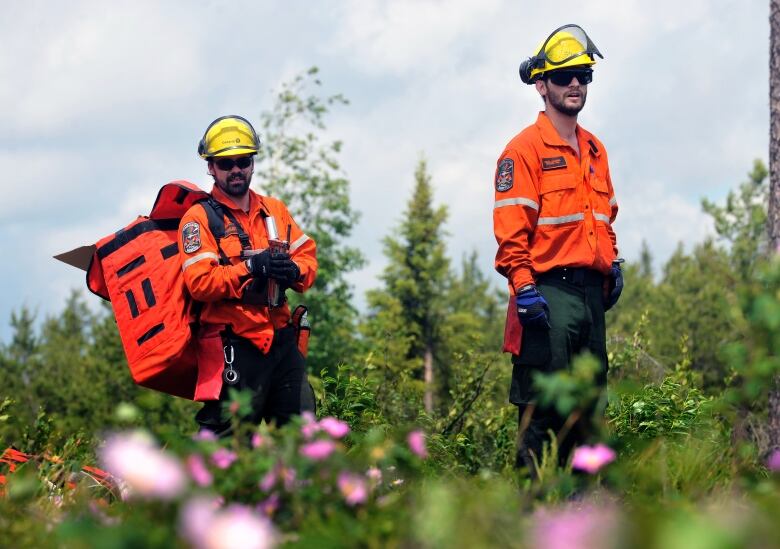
(564, 77)
(226, 164)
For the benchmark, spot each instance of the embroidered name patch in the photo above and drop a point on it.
(505, 175)
(554, 163)
(190, 237)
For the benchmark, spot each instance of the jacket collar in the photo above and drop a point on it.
(551, 138)
(255, 200)
(548, 132)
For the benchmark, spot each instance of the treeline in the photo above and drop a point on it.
(428, 346)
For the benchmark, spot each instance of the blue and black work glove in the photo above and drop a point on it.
(276, 265)
(532, 308)
(615, 285)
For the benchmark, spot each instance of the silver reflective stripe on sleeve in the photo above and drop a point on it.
(560, 219)
(613, 201)
(602, 217)
(199, 257)
(516, 202)
(298, 243)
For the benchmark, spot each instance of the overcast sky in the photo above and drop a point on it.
(103, 102)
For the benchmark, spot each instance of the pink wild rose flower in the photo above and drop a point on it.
(146, 470)
(205, 435)
(223, 458)
(334, 427)
(258, 440)
(268, 480)
(773, 463)
(318, 450)
(416, 442)
(352, 487)
(592, 458)
(198, 470)
(575, 527)
(207, 527)
(310, 426)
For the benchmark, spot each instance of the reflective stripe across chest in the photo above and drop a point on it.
(572, 193)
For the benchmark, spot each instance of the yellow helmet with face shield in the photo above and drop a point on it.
(227, 136)
(567, 46)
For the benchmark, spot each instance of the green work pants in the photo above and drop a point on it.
(576, 301)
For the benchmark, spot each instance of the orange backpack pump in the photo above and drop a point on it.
(138, 270)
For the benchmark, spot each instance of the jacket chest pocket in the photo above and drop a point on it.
(601, 195)
(558, 193)
(231, 247)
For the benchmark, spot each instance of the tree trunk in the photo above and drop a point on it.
(428, 364)
(774, 186)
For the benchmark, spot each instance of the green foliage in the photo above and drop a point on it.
(479, 427)
(351, 396)
(572, 389)
(694, 468)
(426, 310)
(67, 377)
(295, 166)
(742, 220)
(754, 359)
(698, 292)
(410, 305)
(676, 406)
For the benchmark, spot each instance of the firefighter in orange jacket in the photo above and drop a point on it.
(230, 274)
(552, 218)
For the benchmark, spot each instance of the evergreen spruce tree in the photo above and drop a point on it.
(18, 364)
(407, 314)
(472, 328)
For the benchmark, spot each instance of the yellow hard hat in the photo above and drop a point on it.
(567, 46)
(228, 135)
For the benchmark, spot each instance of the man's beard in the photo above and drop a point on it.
(235, 185)
(558, 101)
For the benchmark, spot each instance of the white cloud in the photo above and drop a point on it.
(34, 181)
(409, 35)
(87, 62)
(652, 213)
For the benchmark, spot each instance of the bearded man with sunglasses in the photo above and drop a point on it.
(552, 218)
(233, 247)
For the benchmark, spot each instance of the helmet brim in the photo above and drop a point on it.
(232, 151)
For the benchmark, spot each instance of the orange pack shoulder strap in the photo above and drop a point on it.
(216, 214)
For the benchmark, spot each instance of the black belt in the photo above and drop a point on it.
(579, 276)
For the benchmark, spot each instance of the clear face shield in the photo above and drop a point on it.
(563, 45)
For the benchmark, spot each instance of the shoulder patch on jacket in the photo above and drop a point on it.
(505, 175)
(190, 237)
(553, 163)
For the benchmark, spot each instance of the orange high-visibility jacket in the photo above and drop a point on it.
(221, 287)
(552, 208)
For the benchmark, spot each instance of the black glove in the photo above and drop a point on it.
(615, 285)
(284, 269)
(276, 265)
(532, 307)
